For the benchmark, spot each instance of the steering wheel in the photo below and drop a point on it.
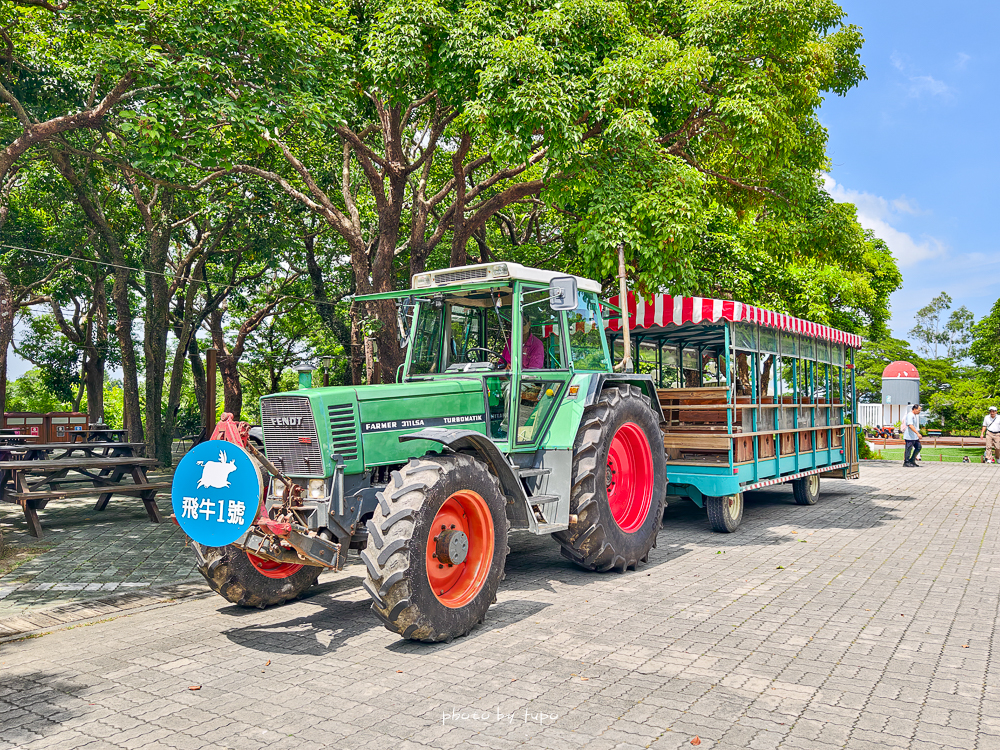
(468, 353)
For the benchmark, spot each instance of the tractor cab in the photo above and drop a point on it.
(523, 333)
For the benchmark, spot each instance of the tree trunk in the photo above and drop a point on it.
(322, 301)
(232, 389)
(97, 356)
(159, 427)
(6, 334)
(83, 384)
(200, 385)
(390, 355)
(132, 409)
(460, 228)
(356, 353)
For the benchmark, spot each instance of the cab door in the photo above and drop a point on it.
(541, 372)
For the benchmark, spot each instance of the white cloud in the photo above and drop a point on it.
(961, 61)
(878, 214)
(903, 205)
(918, 85)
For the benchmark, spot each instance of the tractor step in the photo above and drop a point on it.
(522, 473)
(542, 499)
(551, 528)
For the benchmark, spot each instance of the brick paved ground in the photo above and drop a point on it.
(866, 621)
(91, 553)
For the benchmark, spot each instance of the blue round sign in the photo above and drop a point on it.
(216, 492)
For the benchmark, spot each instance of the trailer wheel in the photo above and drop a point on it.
(619, 483)
(725, 513)
(250, 581)
(437, 546)
(806, 489)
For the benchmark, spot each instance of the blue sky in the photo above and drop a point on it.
(916, 147)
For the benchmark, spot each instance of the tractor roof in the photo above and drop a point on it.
(499, 272)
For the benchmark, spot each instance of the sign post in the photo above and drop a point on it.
(216, 492)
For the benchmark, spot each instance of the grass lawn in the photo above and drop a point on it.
(945, 453)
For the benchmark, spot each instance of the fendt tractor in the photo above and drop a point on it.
(507, 415)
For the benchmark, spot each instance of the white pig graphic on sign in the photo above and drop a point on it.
(216, 473)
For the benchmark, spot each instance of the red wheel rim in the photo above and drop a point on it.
(629, 477)
(457, 584)
(271, 569)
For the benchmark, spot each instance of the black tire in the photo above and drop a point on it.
(398, 534)
(806, 489)
(725, 513)
(230, 574)
(595, 541)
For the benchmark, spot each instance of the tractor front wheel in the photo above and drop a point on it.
(619, 483)
(250, 581)
(437, 547)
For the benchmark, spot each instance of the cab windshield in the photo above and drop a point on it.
(461, 333)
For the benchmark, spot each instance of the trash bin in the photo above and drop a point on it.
(26, 423)
(62, 424)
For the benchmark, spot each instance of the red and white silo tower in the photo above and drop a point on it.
(900, 390)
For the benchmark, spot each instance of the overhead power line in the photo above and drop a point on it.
(177, 277)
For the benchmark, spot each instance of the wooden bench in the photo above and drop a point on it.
(702, 442)
(693, 421)
(32, 483)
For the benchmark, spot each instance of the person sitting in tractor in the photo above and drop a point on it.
(532, 350)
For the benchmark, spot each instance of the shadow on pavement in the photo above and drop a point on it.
(535, 565)
(316, 634)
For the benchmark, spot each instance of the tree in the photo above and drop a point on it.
(57, 359)
(633, 120)
(29, 393)
(959, 332)
(929, 329)
(29, 66)
(963, 406)
(984, 349)
(30, 279)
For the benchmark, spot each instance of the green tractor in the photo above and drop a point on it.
(507, 415)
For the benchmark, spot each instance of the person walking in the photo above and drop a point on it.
(991, 431)
(911, 434)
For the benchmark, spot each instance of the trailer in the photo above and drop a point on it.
(750, 398)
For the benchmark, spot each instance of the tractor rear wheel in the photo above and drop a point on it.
(806, 489)
(250, 581)
(619, 483)
(725, 513)
(437, 546)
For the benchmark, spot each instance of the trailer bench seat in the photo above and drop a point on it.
(696, 442)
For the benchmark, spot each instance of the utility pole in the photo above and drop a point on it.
(623, 302)
(210, 388)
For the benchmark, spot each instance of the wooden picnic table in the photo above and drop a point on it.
(32, 483)
(13, 439)
(101, 434)
(35, 451)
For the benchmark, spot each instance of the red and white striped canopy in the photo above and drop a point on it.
(666, 310)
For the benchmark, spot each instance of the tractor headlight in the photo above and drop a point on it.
(499, 271)
(421, 280)
(317, 489)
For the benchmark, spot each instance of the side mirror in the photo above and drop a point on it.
(562, 293)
